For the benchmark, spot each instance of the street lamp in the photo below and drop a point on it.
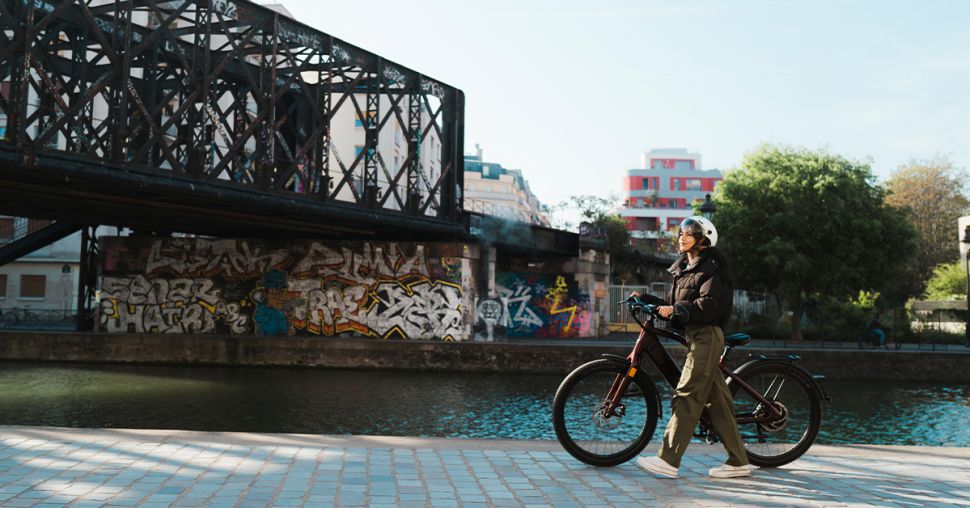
(708, 207)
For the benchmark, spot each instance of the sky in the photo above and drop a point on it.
(572, 92)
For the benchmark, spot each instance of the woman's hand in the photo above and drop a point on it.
(665, 311)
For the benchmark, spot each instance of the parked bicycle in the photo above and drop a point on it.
(605, 411)
(18, 317)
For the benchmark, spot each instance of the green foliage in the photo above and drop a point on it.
(804, 222)
(600, 212)
(949, 282)
(866, 300)
(839, 319)
(933, 193)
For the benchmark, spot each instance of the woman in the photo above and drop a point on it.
(700, 302)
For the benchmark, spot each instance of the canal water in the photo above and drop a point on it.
(406, 403)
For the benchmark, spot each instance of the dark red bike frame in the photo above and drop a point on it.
(649, 342)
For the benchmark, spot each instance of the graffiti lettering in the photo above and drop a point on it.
(140, 305)
(228, 258)
(544, 305)
(523, 316)
(424, 309)
(234, 286)
(366, 267)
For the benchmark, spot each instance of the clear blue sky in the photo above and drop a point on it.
(571, 92)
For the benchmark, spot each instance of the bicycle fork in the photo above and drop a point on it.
(612, 406)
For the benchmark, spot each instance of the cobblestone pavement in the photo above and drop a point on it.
(43, 466)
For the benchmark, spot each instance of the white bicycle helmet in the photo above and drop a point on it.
(700, 228)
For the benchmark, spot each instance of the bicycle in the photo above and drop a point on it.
(605, 411)
(15, 316)
(875, 338)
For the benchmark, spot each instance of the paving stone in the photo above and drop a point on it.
(109, 468)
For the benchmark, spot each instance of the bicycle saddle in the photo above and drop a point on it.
(737, 339)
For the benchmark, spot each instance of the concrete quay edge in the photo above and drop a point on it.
(525, 356)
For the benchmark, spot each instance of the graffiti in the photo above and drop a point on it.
(432, 87)
(452, 267)
(293, 33)
(422, 309)
(224, 7)
(555, 296)
(393, 75)
(544, 305)
(523, 317)
(365, 267)
(492, 312)
(226, 258)
(250, 287)
(141, 305)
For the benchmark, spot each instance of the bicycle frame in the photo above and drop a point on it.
(649, 342)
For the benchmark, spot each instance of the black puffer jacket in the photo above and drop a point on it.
(701, 294)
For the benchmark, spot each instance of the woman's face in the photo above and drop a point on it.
(685, 241)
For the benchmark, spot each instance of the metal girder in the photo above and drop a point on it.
(34, 240)
(221, 94)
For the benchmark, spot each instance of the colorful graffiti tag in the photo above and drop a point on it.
(304, 288)
(543, 305)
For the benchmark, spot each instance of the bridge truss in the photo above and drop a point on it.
(219, 117)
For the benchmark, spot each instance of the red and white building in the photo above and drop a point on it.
(662, 193)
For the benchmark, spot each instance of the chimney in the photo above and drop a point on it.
(478, 151)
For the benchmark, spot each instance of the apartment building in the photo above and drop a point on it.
(661, 193)
(494, 190)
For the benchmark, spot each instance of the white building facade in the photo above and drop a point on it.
(661, 193)
(494, 190)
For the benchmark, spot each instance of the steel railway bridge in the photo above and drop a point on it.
(221, 118)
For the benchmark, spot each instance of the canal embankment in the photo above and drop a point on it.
(521, 356)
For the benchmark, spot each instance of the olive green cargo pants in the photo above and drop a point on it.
(702, 384)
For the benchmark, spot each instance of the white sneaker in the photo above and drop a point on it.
(659, 467)
(726, 471)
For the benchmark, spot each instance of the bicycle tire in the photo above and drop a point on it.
(773, 447)
(581, 395)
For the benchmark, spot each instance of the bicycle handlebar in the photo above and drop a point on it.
(636, 305)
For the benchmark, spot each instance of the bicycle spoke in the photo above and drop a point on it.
(585, 421)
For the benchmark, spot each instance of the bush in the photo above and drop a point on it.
(830, 319)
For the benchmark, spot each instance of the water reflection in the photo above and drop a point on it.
(406, 403)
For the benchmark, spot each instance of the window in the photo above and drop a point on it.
(3, 285)
(675, 184)
(33, 286)
(66, 269)
(359, 119)
(693, 184)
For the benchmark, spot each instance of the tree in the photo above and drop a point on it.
(601, 215)
(797, 222)
(948, 282)
(934, 195)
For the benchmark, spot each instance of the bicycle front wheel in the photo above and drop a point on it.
(772, 441)
(579, 419)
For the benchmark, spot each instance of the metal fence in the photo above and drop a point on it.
(22, 318)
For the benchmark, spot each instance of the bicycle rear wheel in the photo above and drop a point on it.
(578, 416)
(772, 442)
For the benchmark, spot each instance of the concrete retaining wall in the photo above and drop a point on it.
(550, 357)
